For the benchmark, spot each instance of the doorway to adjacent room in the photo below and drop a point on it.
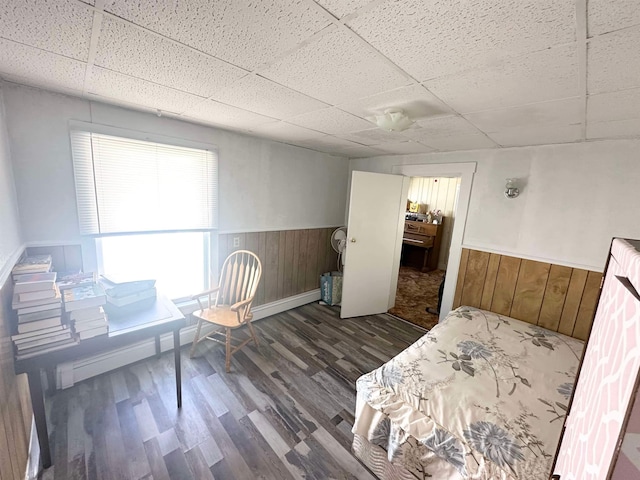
(429, 220)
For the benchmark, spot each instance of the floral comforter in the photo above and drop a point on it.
(481, 396)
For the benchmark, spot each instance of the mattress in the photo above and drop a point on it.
(481, 396)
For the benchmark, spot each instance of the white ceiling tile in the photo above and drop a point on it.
(404, 148)
(564, 112)
(40, 68)
(614, 129)
(374, 136)
(537, 77)
(440, 127)
(327, 143)
(226, 115)
(461, 142)
(58, 26)
(613, 61)
(285, 131)
(247, 34)
(607, 16)
(361, 151)
(415, 100)
(266, 97)
(335, 68)
(110, 84)
(621, 105)
(342, 8)
(128, 49)
(330, 120)
(429, 39)
(537, 135)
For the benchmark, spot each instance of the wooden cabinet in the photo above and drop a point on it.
(421, 244)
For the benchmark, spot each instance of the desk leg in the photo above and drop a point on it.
(158, 346)
(176, 352)
(37, 403)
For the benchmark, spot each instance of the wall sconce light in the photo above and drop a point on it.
(511, 189)
(393, 120)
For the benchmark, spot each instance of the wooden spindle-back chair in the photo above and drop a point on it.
(228, 306)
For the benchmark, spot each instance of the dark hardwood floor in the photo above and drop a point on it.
(285, 411)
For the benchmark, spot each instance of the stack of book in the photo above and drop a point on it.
(83, 303)
(127, 297)
(31, 264)
(38, 303)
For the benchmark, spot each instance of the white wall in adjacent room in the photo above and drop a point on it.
(574, 198)
(264, 185)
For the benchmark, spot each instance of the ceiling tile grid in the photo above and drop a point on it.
(485, 74)
(474, 141)
(430, 39)
(441, 127)
(613, 61)
(285, 131)
(221, 114)
(60, 26)
(608, 16)
(247, 34)
(620, 105)
(567, 111)
(536, 77)
(107, 83)
(537, 135)
(131, 50)
(374, 136)
(330, 120)
(335, 68)
(263, 96)
(614, 129)
(342, 8)
(39, 67)
(415, 100)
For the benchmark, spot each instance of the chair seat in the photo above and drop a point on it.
(221, 315)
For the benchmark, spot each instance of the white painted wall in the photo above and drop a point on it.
(574, 198)
(10, 240)
(264, 185)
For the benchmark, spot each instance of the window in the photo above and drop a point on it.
(150, 206)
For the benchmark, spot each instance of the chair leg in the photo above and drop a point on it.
(253, 334)
(228, 348)
(196, 339)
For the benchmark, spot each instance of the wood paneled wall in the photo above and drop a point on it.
(562, 299)
(435, 193)
(15, 405)
(292, 260)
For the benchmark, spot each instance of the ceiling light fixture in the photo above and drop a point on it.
(393, 120)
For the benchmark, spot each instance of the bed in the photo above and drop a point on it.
(481, 396)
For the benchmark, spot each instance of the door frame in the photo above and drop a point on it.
(465, 171)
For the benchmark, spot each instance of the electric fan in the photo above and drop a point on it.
(339, 242)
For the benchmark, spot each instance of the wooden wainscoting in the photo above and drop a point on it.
(292, 260)
(15, 404)
(562, 299)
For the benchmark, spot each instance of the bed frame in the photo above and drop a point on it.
(558, 298)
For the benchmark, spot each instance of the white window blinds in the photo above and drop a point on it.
(125, 185)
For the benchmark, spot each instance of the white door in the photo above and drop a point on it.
(374, 239)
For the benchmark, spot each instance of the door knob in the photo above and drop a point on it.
(352, 240)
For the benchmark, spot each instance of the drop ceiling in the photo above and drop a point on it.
(473, 74)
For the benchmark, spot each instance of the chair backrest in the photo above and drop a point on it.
(239, 278)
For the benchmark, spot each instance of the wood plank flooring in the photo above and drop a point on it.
(284, 412)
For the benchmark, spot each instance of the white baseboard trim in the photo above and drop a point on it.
(71, 372)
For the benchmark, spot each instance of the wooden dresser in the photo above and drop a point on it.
(421, 244)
